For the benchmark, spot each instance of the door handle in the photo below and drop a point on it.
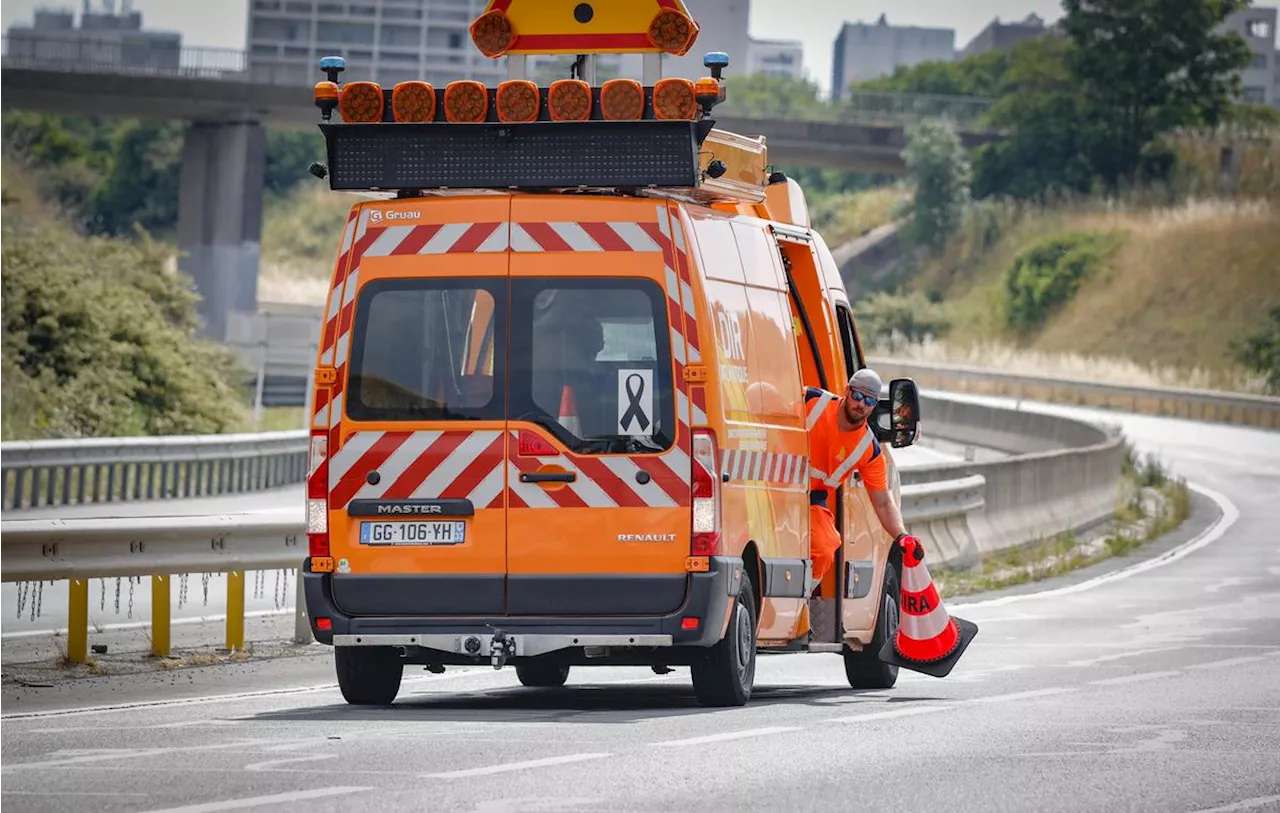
(548, 477)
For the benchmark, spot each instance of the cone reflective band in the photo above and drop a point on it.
(673, 99)
(466, 100)
(569, 413)
(361, 102)
(928, 640)
(492, 33)
(518, 100)
(622, 99)
(569, 100)
(413, 102)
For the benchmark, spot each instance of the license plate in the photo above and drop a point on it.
(413, 533)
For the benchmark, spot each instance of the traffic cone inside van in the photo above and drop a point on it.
(929, 640)
(569, 412)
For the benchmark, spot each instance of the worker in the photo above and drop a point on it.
(841, 442)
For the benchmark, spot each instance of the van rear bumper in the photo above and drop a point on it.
(708, 597)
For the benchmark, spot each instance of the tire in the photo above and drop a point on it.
(368, 676)
(542, 675)
(864, 669)
(728, 673)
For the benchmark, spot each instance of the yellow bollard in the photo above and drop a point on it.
(235, 609)
(160, 597)
(78, 622)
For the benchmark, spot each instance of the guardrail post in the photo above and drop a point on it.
(78, 622)
(235, 609)
(160, 596)
(301, 625)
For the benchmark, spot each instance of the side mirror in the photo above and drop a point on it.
(904, 415)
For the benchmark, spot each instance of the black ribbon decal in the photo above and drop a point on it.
(634, 412)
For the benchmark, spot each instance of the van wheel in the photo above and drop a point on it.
(728, 672)
(864, 669)
(542, 675)
(368, 675)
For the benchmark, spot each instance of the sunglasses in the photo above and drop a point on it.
(860, 398)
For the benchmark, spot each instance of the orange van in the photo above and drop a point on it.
(559, 414)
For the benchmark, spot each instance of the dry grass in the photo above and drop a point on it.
(848, 217)
(1198, 166)
(1185, 280)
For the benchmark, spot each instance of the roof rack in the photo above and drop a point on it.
(621, 136)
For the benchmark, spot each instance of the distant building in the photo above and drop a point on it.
(1260, 81)
(1003, 36)
(103, 37)
(782, 58)
(386, 41)
(722, 26)
(864, 51)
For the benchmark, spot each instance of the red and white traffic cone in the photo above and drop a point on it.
(929, 640)
(569, 413)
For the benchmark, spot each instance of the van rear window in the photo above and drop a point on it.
(587, 359)
(428, 350)
(591, 362)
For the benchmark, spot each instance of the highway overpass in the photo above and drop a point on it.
(228, 102)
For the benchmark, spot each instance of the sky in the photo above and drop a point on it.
(222, 23)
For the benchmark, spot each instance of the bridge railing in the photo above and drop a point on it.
(88, 55)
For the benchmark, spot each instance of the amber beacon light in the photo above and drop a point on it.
(518, 100)
(361, 102)
(569, 100)
(413, 102)
(493, 33)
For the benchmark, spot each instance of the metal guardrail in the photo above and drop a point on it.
(1202, 405)
(97, 470)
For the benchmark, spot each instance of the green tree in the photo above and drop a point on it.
(1046, 116)
(141, 187)
(939, 169)
(289, 154)
(1148, 66)
(979, 75)
(759, 95)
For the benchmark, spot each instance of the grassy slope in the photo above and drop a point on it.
(1182, 283)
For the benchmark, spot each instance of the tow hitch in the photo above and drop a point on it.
(502, 647)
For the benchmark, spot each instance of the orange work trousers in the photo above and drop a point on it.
(824, 540)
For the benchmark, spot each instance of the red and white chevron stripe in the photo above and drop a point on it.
(429, 465)
(765, 467)
(582, 236)
(604, 482)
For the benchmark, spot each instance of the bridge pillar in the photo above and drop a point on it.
(220, 217)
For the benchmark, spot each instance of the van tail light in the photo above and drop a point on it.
(318, 493)
(706, 495)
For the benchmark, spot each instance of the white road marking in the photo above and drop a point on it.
(94, 794)
(1118, 656)
(1244, 804)
(728, 735)
(1226, 663)
(1212, 534)
(1138, 678)
(910, 711)
(219, 698)
(514, 766)
(128, 753)
(258, 801)
(272, 763)
(1029, 695)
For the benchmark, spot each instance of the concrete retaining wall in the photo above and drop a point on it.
(1063, 475)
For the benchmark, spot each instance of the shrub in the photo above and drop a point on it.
(939, 169)
(1048, 273)
(896, 317)
(1259, 350)
(99, 340)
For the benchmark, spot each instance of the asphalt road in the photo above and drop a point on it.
(1148, 688)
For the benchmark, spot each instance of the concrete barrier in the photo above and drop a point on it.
(1063, 475)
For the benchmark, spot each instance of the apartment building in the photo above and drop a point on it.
(782, 58)
(865, 51)
(1260, 82)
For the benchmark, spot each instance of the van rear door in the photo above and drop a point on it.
(598, 439)
(417, 522)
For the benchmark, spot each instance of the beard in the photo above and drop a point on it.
(854, 415)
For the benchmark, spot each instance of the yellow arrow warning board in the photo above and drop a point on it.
(575, 27)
